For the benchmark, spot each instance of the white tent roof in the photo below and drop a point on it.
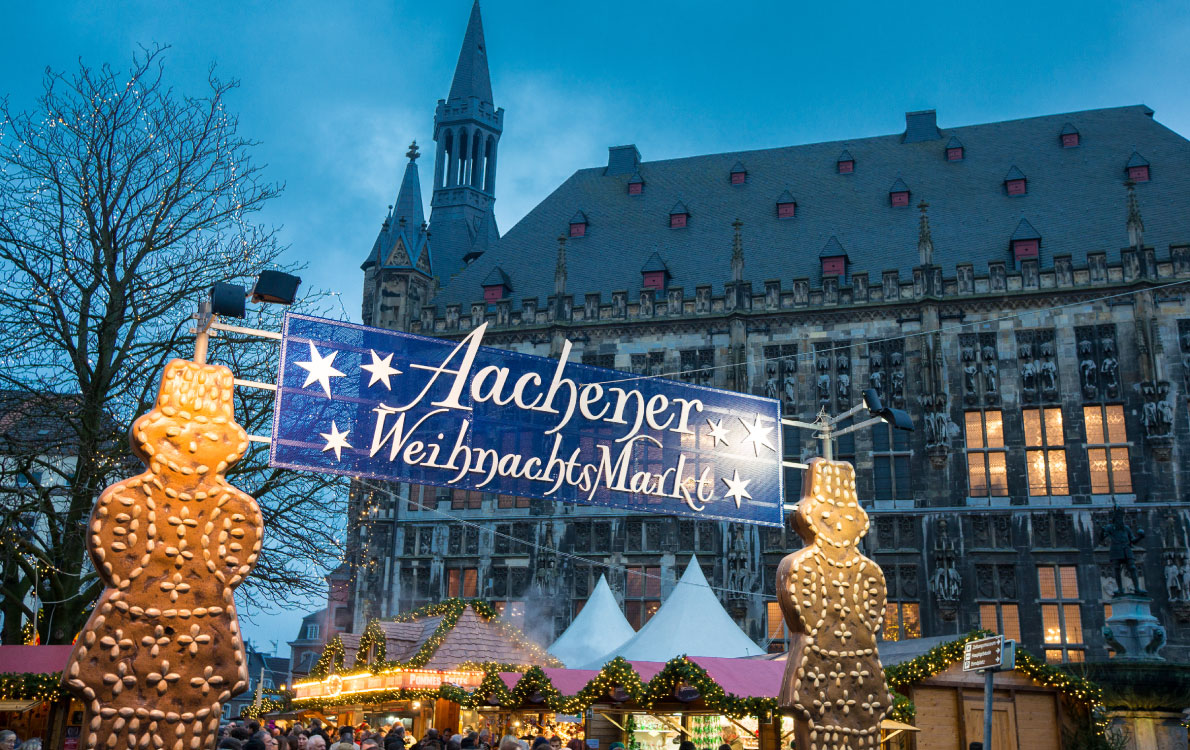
(600, 627)
(691, 621)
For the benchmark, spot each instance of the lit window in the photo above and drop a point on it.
(902, 621)
(462, 582)
(1001, 617)
(1045, 459)
(1107, 449)
(987, 470)
(642, 594)
(776, 627)
(1061, 619)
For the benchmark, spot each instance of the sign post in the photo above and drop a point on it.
(989, 655)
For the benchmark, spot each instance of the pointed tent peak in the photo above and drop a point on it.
(654, 264)
(598, 629)
(1025, 231)
(1014, 174)
(679, 208)
(899, 187)
(413, 153)
(497, 277)
(786, 197)
(579, 218)
(471, 73)
(1136, 160)
(1068, 129)
(833, 249)
(954, 142)
(693, 574)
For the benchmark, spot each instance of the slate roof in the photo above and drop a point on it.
(1136, 160)
(1076, 201)
(832, 249)
(954, 142)
(899, 187)
(471, 72)
(1068, 129)
(1024, 231)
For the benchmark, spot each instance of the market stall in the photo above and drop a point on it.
(31, 702)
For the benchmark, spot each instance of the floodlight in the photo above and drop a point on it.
(227, 300)
(275, 287)
(898, 418)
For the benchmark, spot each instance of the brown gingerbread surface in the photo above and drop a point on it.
(162, 649)
(832, 598)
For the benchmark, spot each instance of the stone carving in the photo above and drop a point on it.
(620, 304)
(844, 382)
(946, 582)
(832, 599)
(162, 650)
(1099, 369)
(781, 375)
(981, 375)
(1177, 567)
(1157, 414)
(1184, 343)
(1039, 371)
(935, 404)
(1121, 537)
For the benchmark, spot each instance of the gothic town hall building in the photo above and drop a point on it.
(1018, 287)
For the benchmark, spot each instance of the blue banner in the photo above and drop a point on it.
(387, 405)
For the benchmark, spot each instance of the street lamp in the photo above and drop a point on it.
(825, 426)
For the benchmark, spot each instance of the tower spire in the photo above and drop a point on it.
(471, 73)
(1136, 227)
(560, 269)
(925, 242)
(408, 208)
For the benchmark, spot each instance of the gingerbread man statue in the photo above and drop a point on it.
(162, 650)
(832, 598)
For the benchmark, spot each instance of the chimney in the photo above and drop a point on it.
(622, 159)
(921, 126)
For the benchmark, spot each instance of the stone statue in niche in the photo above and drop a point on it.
(897, 387)
(824, 388)
(990, 373)
(1049, 378)
(844, 387)
(162, 650)
(1028, 380)
(770, 383)
(842, 363)
(832, 599)
(1109, 368)
(619, 305)
(946, 583)
(1088, 370)
(970, 374)
(876, 382)
(789, 395)
(1121, 537)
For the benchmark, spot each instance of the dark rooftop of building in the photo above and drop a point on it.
(1076, 202)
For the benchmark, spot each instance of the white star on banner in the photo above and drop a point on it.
(718, 432)
(757, 435)
(320, 370)
(381, 369)
(336, 441)
(735, 488)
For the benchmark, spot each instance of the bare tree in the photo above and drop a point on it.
(121, 203)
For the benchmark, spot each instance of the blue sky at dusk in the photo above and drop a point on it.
(336, 91)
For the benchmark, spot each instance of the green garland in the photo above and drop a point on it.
(372, 639)
(267, 705)
(27, 686)
(331, 661)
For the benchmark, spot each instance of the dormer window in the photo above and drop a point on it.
(1137, 168)
(1069, 136)
(954, 150)
(636, 185)
(898, 194)
(1025, 242)
(679, 216)
(578, 225)
(786, 206)
(1015, 182)
(496, 285)
(833, 258)
(739, 175)
(845, 164)
(654, 274)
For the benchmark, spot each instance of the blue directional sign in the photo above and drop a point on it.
(387, 405)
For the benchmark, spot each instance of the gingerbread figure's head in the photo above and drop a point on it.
(192, 429)
(829, 513)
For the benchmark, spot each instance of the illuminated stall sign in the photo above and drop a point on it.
(397, 679)
(387, 405)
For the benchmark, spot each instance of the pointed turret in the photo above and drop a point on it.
(737, 252)
(467, 128)
(1136, 226)
(925, 242)
(471, 72)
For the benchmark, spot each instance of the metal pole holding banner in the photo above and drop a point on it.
(826, 428)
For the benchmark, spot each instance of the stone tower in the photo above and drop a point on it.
(398, 274)
(467, 129)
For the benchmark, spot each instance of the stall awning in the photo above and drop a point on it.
(34, 659)
(743, 678)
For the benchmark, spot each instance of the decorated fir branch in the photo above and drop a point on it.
(331, 661)
(28, 686)
(371, 644)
